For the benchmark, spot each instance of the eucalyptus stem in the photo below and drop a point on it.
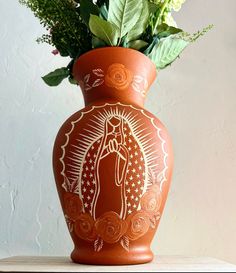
(160, 16)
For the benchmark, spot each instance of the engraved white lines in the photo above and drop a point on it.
(97, 128)
(80, 150)
(71, 186)
(163, 173)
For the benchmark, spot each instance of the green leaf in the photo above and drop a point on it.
(154, 42)
(87, 7)
(141, 24)
(164, 30)
(56, 77)
(104, 30)
(167, 50)
(124, 14)
(96, 42)
(104, 12)
(72, 81)
(124, 42)
(138, 44)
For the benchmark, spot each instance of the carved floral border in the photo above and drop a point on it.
(110, 228)
(117, 76)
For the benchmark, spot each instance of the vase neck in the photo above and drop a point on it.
(114, 74)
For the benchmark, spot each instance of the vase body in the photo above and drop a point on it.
(113, 161)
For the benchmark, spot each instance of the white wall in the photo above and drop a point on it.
(195, 98)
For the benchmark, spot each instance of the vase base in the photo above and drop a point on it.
(108, 258)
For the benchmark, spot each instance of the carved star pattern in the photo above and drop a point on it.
(88, 181)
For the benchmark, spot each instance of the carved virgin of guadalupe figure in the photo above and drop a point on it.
(111, 170)
(114, 161)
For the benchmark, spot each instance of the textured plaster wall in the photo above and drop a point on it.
(195, 98)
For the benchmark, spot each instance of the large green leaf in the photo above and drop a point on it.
(124, 14)
(87, 7)
(141, 24)
(103, 30)
(56, 77)
(167, 50)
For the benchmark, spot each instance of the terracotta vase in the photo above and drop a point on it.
(113, 161)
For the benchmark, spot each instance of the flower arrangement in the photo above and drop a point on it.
(78, 26)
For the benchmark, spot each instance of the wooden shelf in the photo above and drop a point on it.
(160, 264)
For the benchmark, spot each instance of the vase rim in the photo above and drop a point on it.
(115, 48)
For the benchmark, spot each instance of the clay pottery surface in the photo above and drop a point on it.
(113, 161)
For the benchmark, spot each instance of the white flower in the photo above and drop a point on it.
(173, 4)
(176, 4)
(169, 20)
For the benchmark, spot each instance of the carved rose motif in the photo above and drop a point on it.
(138, 225)
(151, 200)
(118, 76)
(110, 227)
(84, 227)
(72, 205)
